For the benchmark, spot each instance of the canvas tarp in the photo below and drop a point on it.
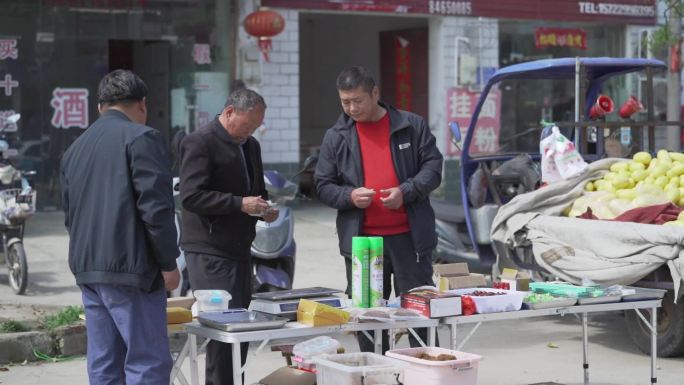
(607, 252)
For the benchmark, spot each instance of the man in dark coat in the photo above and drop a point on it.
(223, 194)
(118, 205)
(377, 167)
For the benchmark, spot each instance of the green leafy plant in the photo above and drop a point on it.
(663, 37)
(12, 326)
(66, 316)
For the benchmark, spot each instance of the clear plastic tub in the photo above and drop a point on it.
(461, 371)
(212, 300)
(306, 350)
(358, 369)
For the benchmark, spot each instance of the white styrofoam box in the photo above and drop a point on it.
(461, 371)
(358, 369)
(511, 301)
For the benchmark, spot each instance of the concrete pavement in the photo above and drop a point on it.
(515, 352)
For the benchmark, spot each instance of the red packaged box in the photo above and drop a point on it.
(432, 304)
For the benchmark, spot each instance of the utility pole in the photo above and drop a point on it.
(674, 78)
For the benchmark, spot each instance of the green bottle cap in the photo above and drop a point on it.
(359, 244)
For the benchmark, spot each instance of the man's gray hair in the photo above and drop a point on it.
(245, 99)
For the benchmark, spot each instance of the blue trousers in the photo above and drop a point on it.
(127, 336)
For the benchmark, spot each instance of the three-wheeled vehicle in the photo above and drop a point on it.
(562, 91)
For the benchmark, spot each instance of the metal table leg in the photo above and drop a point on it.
(452, 336)
(377, 341)
(178, 362)
(432, 336)
(654, 343)
(194, 373)
(392, 338)
(585, 343)
(237, 364)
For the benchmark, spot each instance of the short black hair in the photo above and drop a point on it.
(244, 99)
(354, 77)
(121, 86)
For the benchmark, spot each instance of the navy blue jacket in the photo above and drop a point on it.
(118, 204)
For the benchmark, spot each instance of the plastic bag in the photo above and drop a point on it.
(559, 157)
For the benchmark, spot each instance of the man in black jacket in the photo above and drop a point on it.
(377, 167)
(118, 205)
(223, 192)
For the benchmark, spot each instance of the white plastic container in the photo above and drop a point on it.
(511, 301)
(212, 300)
(305, 351)
(358, 369)
(461, 371)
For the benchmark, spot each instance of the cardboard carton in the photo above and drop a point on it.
(457, 276)
(516, 280)
(432, 304)
(317, 314)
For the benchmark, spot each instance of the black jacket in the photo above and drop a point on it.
(417, 163)
(118, 204)
(212, 184)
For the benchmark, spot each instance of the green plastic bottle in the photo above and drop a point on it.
(376, 271)
(360, 272)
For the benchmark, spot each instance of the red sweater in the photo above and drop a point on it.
(379, 174)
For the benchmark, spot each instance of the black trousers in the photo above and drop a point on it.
(403, 270)
(209, 272)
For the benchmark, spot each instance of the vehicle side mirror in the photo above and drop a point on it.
(455, 131)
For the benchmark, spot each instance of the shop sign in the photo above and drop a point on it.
(70, 107)
(628, 11)
(461, 103)
(8, 49)
(8, 84)
(560, 37)
(201, 53)
(111, 4)
(403, 82)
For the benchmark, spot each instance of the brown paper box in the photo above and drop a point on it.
(516, 280)
(457, 276)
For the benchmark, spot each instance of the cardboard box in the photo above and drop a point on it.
(516, 280)
(432, 304)
(289, 376)
(317, 314)
(184, 302)
(457, 276)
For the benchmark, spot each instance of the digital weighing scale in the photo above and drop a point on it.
(284, 303)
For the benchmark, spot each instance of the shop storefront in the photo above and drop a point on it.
(462, 44)
(54, 52)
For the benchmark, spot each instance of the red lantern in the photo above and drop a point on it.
(264, 24)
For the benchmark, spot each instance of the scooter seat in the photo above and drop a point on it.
(448, 211)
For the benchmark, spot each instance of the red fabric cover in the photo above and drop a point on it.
(379, 174)
(655, 215)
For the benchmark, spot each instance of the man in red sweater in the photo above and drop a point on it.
(377, 167)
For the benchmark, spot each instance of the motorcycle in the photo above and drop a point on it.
(274, 248)
(17, 204)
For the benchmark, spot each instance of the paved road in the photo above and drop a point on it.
(514, 352)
